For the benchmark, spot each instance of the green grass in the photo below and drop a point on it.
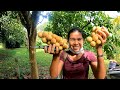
(12, 60)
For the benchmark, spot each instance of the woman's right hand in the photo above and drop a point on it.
(52, 49)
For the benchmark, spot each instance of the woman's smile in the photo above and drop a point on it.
(76, 48)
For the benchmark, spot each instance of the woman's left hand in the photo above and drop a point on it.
(102, 37)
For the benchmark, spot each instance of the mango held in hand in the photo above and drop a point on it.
(50, 38)
(98, 34)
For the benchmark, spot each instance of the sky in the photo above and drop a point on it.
(45, 19)
(112, 14)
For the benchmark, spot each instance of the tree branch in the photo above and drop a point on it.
(86, 24)
(26, 20)
(22, 20)
(35, 17)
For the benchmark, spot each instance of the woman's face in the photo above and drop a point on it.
(76, 41)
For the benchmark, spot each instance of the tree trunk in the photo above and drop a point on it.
(29, 24)
(32, 54)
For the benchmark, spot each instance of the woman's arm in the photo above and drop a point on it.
(56, 64)
(99, 68)
(56, 67)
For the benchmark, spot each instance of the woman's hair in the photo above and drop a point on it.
(74, 30)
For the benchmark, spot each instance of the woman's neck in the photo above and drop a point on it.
(75, 57)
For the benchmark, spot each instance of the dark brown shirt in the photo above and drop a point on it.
(77, 69)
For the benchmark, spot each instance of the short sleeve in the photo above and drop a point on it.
(91, 56)
(62, 56)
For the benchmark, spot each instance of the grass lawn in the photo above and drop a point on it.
(14, 63)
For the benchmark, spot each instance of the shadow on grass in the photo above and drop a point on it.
(6, 53)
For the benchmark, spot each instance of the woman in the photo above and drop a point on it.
(76, 64)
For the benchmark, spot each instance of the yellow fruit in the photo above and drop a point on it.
(48, 42)
(57, 44)
(58, 38)
(65, 40)
(45, 34)
(40, 34)
(44, 40)
(89, 39)
(60, 48)
(49, 37)
(94, 28)
(50, 33)
(98, 28)
(65, 46)
(61, 42)
(95, 37)
(93, 33)
(98, 42)
(93, 43)
(53, 40)
(53, 35)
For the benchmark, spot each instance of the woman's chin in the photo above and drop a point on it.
(76, 50)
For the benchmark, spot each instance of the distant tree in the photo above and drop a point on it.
(41, 27)
(12, 33)
(116, 21)
(114, 40)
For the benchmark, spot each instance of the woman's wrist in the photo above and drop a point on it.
(56, 55)
(99, 51)
(99, 47)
